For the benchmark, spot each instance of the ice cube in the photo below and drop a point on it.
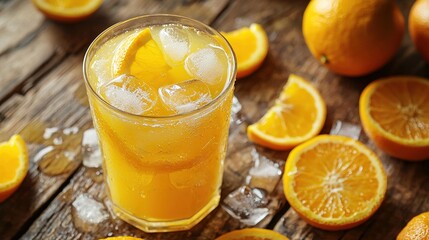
(91, 149)
(236, 117)
(129, 94)
(264, 174)
(185, 96)
(205, 65)
(175, 43)
(346, 129)
(99, 67)
(88, 213)
(249, 205)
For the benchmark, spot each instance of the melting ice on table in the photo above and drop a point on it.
(249, 205)
(91, 149)
(264, 174)
(235, 112)
(88, 213)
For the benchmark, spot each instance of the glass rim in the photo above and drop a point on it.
(222, 94)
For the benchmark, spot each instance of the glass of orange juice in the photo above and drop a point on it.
(160, 89)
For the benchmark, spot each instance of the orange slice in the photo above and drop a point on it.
(252, 234)
(416, 229)
(250, 45)
(298, 115)
(67, 10)
(395, 114)
(334, 182)
(13, 165)
(139, 55)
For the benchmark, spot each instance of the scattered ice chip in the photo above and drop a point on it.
(88, 213)
(265, 173)
(346, 129)
(70, 130)
(205, 65)
(185, 96)
(174, 42)
(91, 149)
(249, 205)
(49, 132)
(129, 94)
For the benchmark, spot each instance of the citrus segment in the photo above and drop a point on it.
(298, 114)
(250, 45)
(252, 234)
(416, 229)
(67, 10)
(13, 165)
(395, 115)
(334, 182)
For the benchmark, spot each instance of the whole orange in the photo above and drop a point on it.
(418, 24)
(353, 37)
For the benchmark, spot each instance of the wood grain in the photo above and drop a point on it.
(41, 86)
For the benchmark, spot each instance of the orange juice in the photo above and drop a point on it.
(160, 89)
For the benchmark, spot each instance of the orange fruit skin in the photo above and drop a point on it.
(353, 37)
(252, 234)
(418, 25)
(389, 146)
(416, 229)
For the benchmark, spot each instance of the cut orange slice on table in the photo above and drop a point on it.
(13, 165)
(298, 115)
(67, 10)
(417, 228)
(334, 182)
(395, 114)
(250, 45)
(252, 234)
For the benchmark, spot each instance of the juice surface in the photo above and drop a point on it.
(166, 166)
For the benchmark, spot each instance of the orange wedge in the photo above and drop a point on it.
(252, 234)
(298, 115)
(13, 165)
(67, 10)
(334, 182)
(416, 229)
(395, 114)
(250, 45)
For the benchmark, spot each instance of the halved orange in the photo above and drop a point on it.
(252, 234)
(250, 45)
(417, 228)
(298, 115)
(334, 182)
(13, 165)
(395, 114)
(67, 10)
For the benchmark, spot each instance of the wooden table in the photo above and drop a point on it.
(41, 86)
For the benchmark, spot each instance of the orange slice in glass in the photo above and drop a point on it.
(298, 115)
(395, 114)
(67, 10)
(13, 165)
(250, 45)
(139, 55)
(334, 182)
(252, 234)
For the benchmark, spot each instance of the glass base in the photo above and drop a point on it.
(166, 226)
